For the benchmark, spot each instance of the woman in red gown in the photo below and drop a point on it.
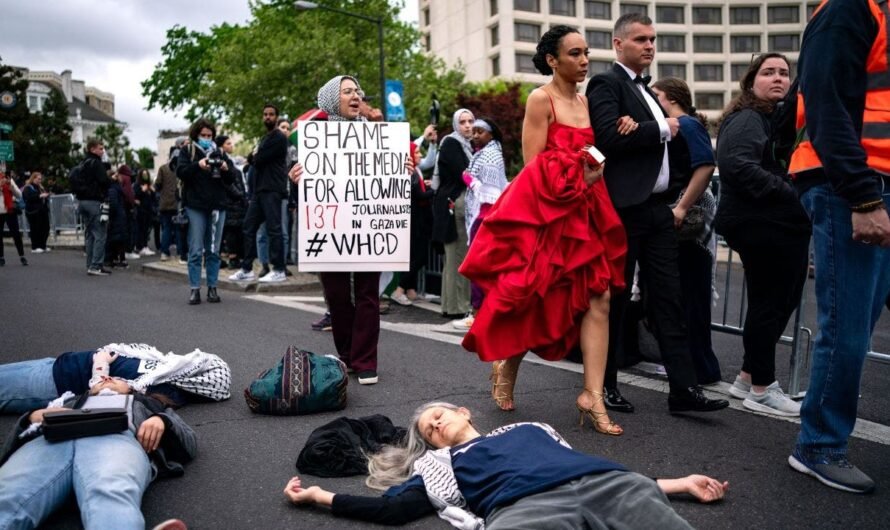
(552, 248)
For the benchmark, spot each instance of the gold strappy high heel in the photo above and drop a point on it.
(600, 420)
(501, 397)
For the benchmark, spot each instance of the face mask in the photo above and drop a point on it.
(205, 143)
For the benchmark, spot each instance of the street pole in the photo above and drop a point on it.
(305, 6)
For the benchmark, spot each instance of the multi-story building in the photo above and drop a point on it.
(88, 107)
(709, 43)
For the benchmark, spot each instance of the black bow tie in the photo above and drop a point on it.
(643, 79)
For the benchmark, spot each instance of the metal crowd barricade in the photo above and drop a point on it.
(63, 215)
(800, 338)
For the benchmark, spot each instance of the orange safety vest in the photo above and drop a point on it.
(876, 115)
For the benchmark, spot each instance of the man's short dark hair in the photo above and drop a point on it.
(625, 20)
(271, 106)
(92, 143)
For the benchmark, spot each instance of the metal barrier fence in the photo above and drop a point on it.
(63, 216)
(800, 353)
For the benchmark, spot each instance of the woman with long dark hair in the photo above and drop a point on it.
(691, 170)
(762, 219)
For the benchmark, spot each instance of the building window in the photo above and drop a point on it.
(708, 72)
(493, 7)
(707, 15)
(633, 8)
(527, 5)
(496, 65)
(426, 16)
(599, 40)
(669, 14)
(565, 8)
(495, 39)
(744, 15)
(671, 43)
(744, 43)
(707, 44)
(737, 71)
(792, 69)
(598, 67)
(811, 8)
(784, 43)
(783, 14)
(709, 100)
(426, 42)
(671, 70)
(527, 32)
(32, 106)
(600, 10)
(525, 64)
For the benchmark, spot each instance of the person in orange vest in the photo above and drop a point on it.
(842, 171)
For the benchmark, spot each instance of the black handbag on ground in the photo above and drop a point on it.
(85, 421)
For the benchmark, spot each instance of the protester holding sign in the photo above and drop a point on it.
(379, 179)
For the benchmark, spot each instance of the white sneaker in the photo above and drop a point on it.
(164, 257)
(273, 277)
(463, 324)
(183, 262)
(401, 299)
(146, 252)
(47, 249)
(36, 251)
(772, 401)
(739, 388)
(242, 275)
(131, 255)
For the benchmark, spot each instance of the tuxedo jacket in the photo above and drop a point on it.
(634, 160)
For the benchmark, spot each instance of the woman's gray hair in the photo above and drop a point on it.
(394, 464)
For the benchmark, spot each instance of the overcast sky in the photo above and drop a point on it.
(113, 45)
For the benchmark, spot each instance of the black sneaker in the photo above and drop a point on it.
(835, 471)
(367, 377)
(2, 260)
(323, 324)
(24, 261)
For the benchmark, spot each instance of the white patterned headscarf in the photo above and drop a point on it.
(329, 98)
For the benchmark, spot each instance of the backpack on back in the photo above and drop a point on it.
(77, 180)
(301, 382)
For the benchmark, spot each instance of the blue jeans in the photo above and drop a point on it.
(169, 232)
(94, 233)
(262, 238)
(852, 284)
(205, 236)
(107, 474)
(26, 385)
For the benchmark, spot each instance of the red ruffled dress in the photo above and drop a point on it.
(548, 245)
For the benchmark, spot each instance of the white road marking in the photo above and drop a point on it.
(864, 429)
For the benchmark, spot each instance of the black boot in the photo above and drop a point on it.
(195, 297)
(693, 399)
(212, 296)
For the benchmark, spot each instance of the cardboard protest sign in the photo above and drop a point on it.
(355, 196)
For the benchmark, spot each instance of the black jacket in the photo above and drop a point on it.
(452, 162)
(96, 176)
(338, 448)
(633, 160)
(754, 187)
(118, 227)
(236, 200)
(270, 164)
(200, 190)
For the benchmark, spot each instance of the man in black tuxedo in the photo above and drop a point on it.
(637, 175)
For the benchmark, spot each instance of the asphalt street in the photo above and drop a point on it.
(245, 459)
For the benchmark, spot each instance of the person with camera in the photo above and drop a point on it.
(107, 473)
(205, 172)
(90, 196)
(269, 190)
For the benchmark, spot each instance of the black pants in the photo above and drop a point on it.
(775, 264)
(264, 207)
(39, 228)
(695, 279)
(11, 220)
(652, 242)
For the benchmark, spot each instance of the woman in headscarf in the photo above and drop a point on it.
(485, 178)
(354, 305)
(449, 212)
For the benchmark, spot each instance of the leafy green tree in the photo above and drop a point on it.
(117, 145)
(145, 158)
(283, 56)
(12, 80)
(52, 141)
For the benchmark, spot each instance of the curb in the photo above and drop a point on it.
(300, 281)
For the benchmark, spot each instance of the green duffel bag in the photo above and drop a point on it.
(301, 383)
